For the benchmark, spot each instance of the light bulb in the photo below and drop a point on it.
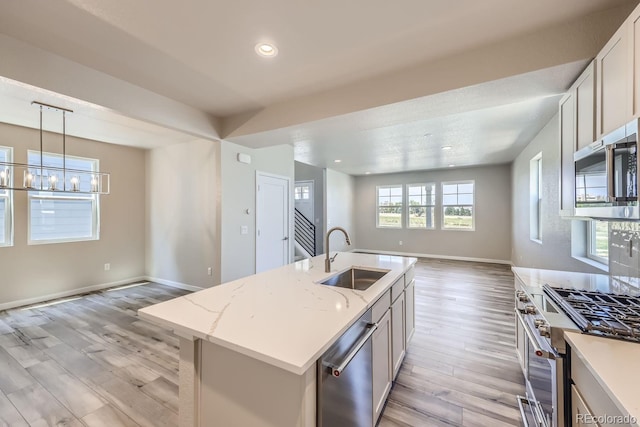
(94, 184)
(75, 183)
(4, 178)
(53, 181)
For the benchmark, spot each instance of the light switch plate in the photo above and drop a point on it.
(244, 229)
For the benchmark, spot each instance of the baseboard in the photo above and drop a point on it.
(69, 293)
(454, 258)
(174, 284)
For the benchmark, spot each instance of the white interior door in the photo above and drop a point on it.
(272, 221)
(303, 195)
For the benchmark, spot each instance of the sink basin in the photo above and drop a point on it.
(355, 278)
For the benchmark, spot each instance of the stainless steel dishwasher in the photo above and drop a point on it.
(345, 391)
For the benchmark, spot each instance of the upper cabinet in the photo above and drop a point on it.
(633, 34)
(567, 148)
(585, 95)
(577, 130)
(613, 72)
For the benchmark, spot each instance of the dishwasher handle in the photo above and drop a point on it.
(336, 370)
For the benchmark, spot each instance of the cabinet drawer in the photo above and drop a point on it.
(381, 306)
(580, 413)
(397, 288)
(593, 396)
(409, 276)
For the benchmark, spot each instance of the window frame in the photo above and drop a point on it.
(444, 206)
(45, 195)
(535, 198)
(426, 206)
(378, 206)
(591, 251)
(8, 223)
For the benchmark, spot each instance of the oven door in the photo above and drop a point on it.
(539, 408)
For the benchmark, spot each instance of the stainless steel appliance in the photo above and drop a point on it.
(543, 313)
(606, 176)
(542, 350)
(598, 313)
(345, 390)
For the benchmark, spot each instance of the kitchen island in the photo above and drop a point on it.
(248, 348)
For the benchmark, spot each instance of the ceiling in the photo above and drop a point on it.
(201, 53)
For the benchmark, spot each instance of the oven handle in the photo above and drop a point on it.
(537, 349)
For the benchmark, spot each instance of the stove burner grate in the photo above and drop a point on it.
(597, 313)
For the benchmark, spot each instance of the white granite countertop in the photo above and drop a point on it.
(614, 364)
(281, 317)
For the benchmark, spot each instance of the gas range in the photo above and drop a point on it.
(597, 313)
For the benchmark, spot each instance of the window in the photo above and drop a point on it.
(421, 205)
(457, 205)
(598, 241)
(301, 192)
(6, 208)
(63, 217)
(535, 198)
(389, 206)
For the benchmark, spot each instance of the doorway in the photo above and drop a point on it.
(272, 221)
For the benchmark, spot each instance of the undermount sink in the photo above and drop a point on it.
(356, 278)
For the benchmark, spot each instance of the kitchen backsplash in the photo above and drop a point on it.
(624, 253)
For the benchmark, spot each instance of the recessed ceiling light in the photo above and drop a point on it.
(451, 166)
(446, 147)
(337, 161)
(267, 50)
(367, 173)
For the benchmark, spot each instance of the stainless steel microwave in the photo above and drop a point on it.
(607, 176)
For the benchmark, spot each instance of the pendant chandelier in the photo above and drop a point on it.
(41, 177)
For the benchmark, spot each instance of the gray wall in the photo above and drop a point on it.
(182, 218)
(490, 240)
(305, 172)
(555, 251)
(340, 209)
(33, 272)
(238, 193)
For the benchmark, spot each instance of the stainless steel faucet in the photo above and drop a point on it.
(328, 260)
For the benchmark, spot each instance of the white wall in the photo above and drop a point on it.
(33, 272)
(555, 250)
(305, 172)
(489, 241)
(238, 194)
(340, 196)
(182, 227)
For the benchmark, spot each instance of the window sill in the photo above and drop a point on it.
(592, 263)
(538, 241)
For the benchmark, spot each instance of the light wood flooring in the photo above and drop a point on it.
(461, 367)
(92, 362)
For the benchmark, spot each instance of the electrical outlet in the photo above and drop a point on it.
(400, 242)
(244, 229)
(107, 267)
(210, 271)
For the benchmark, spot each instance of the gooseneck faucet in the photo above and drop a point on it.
(328, 260)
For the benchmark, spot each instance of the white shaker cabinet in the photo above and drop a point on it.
(614, 76)
(567, 148)
(397, 333)
(577, 130)
(381, 364)
(410, 312)
(584, 90)
(633, 31)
